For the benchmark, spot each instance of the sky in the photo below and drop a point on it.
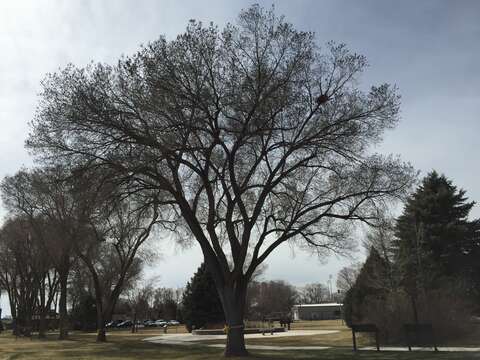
(429, 49)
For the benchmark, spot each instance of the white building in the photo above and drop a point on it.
(327, 311)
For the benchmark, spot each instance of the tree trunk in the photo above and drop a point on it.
(414, 308)
(42, 322)
(101, 329)
(13, 311)
(134, 325)
(233, 301)
(63, 321)
(28, 324)
(102, 335)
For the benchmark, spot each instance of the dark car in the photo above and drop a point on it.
(114, 323)
(149, 323)
(125, 324)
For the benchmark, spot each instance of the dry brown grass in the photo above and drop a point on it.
(123, 345)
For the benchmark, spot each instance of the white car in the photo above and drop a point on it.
(160, 323)
(173, 322)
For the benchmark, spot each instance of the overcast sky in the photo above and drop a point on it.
(430, 49)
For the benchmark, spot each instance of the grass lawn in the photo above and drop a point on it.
(341, 339)
(124, 345)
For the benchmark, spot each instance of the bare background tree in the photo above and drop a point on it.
(347, 276)
(20, 271)
(82, 215)
(254, 135)
(315, 293)
(110, 250)
(166, 302)
(265, 298)
(40, 197)
(27, 275)
(139, 297)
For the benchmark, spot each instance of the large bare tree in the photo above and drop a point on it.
(84, 214)
(40, 197)
(110, 249)
(255, 136)
(26, 275)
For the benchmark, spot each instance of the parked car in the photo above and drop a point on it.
(149, 323)
(114, 323)
(125, 324)
(173, 322)
(160, 323)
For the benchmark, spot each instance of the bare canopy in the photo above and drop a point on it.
(254, 134)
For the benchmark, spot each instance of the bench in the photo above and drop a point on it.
(366, 328)
(422, 335)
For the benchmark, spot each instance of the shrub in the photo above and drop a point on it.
(448, 312)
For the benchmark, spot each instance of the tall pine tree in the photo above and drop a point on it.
(435, 239)
(201, 304)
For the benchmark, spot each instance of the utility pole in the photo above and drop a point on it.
(330, 289)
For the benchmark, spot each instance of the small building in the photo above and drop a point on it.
(327, 311)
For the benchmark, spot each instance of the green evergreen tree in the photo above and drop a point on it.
(435, 239)
(372, 282)
(472, 264)
(201, 304)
